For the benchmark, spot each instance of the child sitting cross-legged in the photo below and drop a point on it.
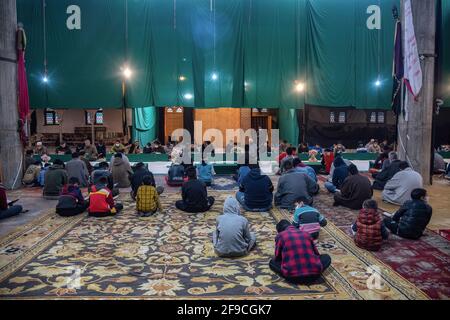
(369, 229)
(147, 198)
(101, 201)
(308, 219)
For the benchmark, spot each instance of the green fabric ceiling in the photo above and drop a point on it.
(445, 37)
(257, 49)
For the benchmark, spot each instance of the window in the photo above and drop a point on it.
(376, 117)
(98, 117)
(50, 117)
(338, 117)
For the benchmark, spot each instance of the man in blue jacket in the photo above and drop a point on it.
(256, 191)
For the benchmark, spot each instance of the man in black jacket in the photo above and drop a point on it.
(385, 175)
(140, 171)
(412, 218)
(195, 195)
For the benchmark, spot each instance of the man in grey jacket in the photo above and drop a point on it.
(233, 237)
(294, 186)
(398, 189)
(76, 168)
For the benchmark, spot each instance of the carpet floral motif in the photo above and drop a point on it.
(170, 255)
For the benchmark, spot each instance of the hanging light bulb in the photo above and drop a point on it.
(182, 78)
(188, 96)
(214, 76)
(127, 73)
(300, 87)
(378, 83)
(45, 79)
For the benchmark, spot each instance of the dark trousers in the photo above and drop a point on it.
(183, 206)
(118, 208)
(70, 212)
(275, 266)
(391, 225)
(10, 212)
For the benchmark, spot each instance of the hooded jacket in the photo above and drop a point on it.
(258, 189)
(121, 171)
(55, 178)
(340, 172)
(369, 230)
(354, 191)
(233, 232)
(386, 174)
(70, 198)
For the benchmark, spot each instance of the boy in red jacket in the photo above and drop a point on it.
(101, 201)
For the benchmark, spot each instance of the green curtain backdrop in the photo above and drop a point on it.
(218, 53)
(445, 36)
(144, 124)
(288, 125)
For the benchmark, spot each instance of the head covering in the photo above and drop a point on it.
(231, 206)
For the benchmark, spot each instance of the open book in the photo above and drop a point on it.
(388, 214)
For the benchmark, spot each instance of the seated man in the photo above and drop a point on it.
(387, 173)
(194, 194)
(296, 257)
(398, 189)
(340, 173)
(41, 178)
(121, 171)
(290, 155)
(55, 179)
(63, 148)
(90, 150)
(233, 237)
(299, 166)
(40, 149)
(76, 168)
(71, 201)
(412, 218)
(175, 176)
(241, 173)
(309, 219)
(255, 191)
(294, 186)
(6, 208)
(31, 176)
(439, 163)
(354, 191)
(103, 171)
(101, 201)
(137, 178)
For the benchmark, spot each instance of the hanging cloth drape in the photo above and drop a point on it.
(288, 124)
(144, 124)
(23, 97)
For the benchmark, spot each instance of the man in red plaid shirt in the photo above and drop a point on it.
(296, 257)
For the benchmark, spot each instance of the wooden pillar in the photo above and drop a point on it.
(11, 150)
(414, 135)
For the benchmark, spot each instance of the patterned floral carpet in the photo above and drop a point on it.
(171, 256)
(424, 262)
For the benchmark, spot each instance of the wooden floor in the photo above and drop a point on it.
(439, 194)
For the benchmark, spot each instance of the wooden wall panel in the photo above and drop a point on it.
(221, 119)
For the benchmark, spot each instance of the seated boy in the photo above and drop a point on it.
(296, 257)
(101, 201)
(368, 229)
(308, 219)
(194, 193)
(233, 237)
(412, 218)
(147, 198)
(71, 201)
